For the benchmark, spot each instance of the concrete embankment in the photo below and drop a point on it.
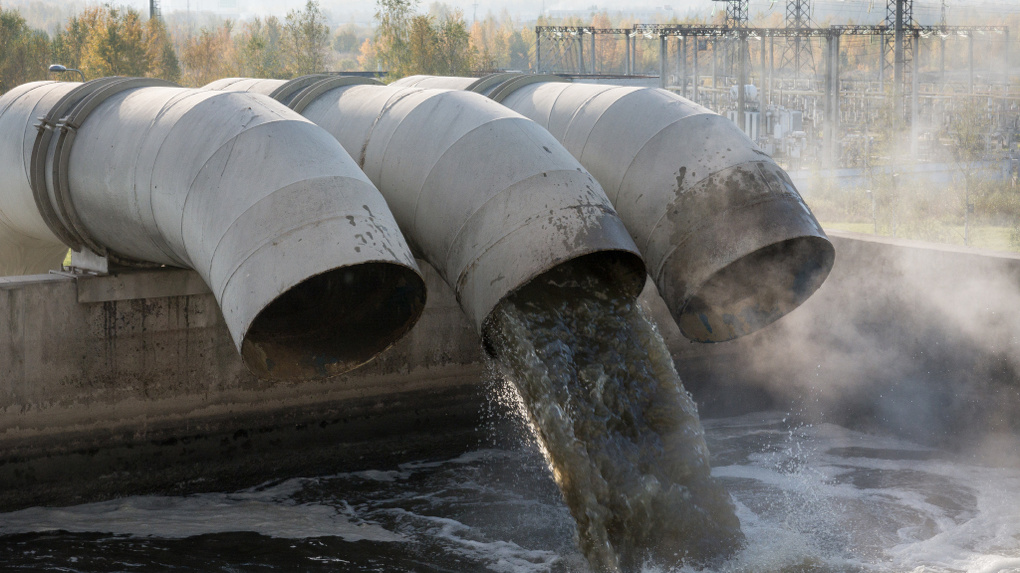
(130, 383)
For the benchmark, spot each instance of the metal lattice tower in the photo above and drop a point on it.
(798, 14)
(798, 54)
(737, 14)
(905, 8)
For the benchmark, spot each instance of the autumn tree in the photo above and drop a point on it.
(260, 48)
(209, 55)
(162, 58)
(115, 44)
(453, 54)
(24, 52)
(107, 41)
(392, 33)
(520, 46)
(422, 47)
(306, 40)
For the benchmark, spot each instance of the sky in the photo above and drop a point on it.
(361, 11)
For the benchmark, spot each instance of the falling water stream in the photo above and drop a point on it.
(621, 435)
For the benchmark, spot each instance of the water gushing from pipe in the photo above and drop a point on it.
(621, 434)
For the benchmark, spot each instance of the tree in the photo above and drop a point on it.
(108, 41)
(209, 56)
(435, 43)
(422, 47)
(346, 40)
(520, 49)
(306, 40)
(966, 138)
(260, 48)
(115, 44)
(23, 52)
(162, 58)
(69, 43)
(393, 28)
(453, 53)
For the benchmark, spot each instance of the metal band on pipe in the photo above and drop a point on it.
(503, 90)
(58, 210)
(303, 98)
(67, 130)
(481, 85)
(286, 92)
(40, 150)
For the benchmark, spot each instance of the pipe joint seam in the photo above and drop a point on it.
(58, 208)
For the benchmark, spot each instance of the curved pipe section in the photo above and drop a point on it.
(488, 197)
(300, 250)
(729, 241)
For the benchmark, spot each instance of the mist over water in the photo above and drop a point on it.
(621, 435)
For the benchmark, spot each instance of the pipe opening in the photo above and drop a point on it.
(333, 322)
(623, 271)
(757, 289)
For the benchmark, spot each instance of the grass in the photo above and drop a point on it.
(982, 237)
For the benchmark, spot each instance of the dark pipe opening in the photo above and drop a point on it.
(333, 322)
(625, 271)
(757, 289)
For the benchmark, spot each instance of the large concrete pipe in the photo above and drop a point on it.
(486, 196)
(300, 250)
(728, 240)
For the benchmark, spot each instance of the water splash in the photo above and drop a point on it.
(621, 435)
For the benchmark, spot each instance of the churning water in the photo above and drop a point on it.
(621, 435)
(817, 498)
(621, 440)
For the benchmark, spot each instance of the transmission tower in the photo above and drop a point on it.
(798, 54)
(897, 51)
(736, 17)
(736, 13)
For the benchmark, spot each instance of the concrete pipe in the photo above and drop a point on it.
(729, 241)
(485, 195)
(300, 250)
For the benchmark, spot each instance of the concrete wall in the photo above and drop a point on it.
(129, 383)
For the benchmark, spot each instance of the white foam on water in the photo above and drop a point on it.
(942, 515)
(268, 511)
(986, 542)
(499, 556)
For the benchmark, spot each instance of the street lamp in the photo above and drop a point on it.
(57, 68)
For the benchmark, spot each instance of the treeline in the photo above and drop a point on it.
(109, 40)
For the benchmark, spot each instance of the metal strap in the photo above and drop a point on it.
(503, 90)
(40, 150)
(285, 93)
(57, 209)
(482, 84)
(306, 96)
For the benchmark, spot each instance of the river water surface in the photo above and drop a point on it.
(817, 498)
